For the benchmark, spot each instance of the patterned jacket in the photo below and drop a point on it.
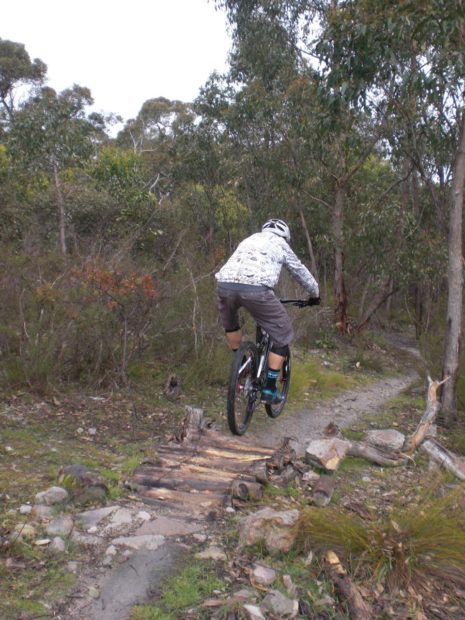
(258, 260)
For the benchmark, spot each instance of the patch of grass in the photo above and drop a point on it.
(309, 378)
(412, 545)
(353, 434)
(272, 491)
(187, 589)
(457, 441)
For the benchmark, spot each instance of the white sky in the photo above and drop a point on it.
(125, 51)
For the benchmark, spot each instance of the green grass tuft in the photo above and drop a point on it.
(408, 547)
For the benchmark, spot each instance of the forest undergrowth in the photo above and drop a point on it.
(111, 432)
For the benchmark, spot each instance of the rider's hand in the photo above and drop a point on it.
(314, 301)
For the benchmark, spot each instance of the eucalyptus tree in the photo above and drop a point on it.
(417, 51)
(51, 133)
(16, 70)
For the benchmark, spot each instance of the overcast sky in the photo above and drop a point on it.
(125, 51)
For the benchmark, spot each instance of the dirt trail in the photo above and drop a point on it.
(136, 580)
(307, 424)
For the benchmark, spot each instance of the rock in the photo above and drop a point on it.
(72, 567)
(93, 592)
(326, 453)
(57, 545)
(40, 512)
(25, 509)
(253, 612)
(142, 515)
(85, 539)
(275, 528)
(123, 516)
(91, 518)
(169, 527)
(263, 575)
(280, 606)
(61, 526)
(390, 438)
(111, 550)
(149, 542)
(290, 586)
(53, 495)
(212, 553)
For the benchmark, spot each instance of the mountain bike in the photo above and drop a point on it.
(247, 377)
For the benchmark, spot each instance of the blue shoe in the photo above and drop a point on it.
(271, 397)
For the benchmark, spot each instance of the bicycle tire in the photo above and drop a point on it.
(283, 384)
(242, 393)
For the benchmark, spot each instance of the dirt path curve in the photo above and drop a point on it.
(136, 580)
(307, 424)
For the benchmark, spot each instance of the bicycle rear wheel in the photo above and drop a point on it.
(282, 385)
(242, 392)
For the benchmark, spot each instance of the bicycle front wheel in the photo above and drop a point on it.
(282, 385)
(242, 392)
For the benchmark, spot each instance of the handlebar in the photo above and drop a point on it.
(302, 303)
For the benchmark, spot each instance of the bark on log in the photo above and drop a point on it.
(346, 590)
(444, 457)
(433, 406)
(380, 456)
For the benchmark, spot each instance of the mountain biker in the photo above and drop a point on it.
(247, 279)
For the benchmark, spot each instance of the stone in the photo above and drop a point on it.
(148, 542)
(91, 518)
(61, 526)
(169, 527)
(390, 438)
(25, 509)
(40, 512)
(263, 575)
(85, 539)
(142, 515)
(72, 567)
(53, 495)
(276, 528)
(253, 612)
(212, 553)
(280, 605)
(57, 545)
(123, 516)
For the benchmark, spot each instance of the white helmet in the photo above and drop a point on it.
(278, 227)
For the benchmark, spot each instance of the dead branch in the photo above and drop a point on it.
(453, 463)
(433, 406)
(346, 590)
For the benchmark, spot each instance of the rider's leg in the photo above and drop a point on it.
(233, 339)
(276, 358)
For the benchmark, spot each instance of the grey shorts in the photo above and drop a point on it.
(262, 304)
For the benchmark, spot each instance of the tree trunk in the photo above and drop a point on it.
(455, 286)
(61, 212)
(339, 284)
(313, 267)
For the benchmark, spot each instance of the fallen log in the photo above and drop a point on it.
(433, 406)
(346, 590)
(377, 455)
(453, 463)
(246, 491)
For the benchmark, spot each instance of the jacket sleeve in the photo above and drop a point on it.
(297, 269)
